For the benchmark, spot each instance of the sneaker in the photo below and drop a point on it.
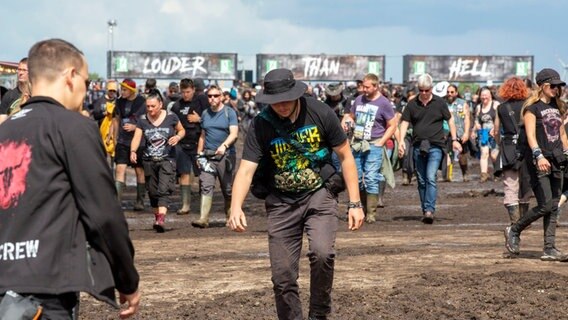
(159, 224)
(553, 254)
(428, 218)
(512, 240)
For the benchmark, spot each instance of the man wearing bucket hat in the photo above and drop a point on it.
(128, 108)
(292, 141)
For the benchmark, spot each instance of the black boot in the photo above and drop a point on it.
(550, 253)
(513, 232)
(382, 187)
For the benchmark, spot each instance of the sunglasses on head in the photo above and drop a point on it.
(214, 95)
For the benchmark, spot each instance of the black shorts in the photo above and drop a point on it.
(186, 161)
(122, 155)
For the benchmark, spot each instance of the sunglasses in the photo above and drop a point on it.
(424, 90)
(213, 96)
(554, 86)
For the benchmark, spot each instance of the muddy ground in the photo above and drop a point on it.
(397, 268)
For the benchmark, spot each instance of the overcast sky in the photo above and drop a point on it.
(247, 27)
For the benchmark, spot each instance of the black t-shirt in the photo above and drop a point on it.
(157, 136)
(128, 111)
(427, 120)
(192, 129)
(548, 124)
(8, 99)
(510, 123)
(295, 175)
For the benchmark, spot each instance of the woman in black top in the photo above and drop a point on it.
(545, 157)
(506, 133)
(161, 130)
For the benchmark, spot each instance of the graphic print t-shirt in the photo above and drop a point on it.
(157, 136)
(295, 175)
(371, 117)
(548, 124)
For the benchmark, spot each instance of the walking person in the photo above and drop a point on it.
(506, 134)
(461, 114)
(188, 109)
(301, 192)
(129, 107)
(485, 113)
(375, 124)
(62, 230)
(426, 113)
(545, 158)
(217, 153)
(161, 130)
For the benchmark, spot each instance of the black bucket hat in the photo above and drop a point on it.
(279, 86)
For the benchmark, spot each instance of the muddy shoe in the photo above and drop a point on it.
(159, 224)
(512, 240)
(428, 218)
(553, 254)
(182, 212)
(200, 224)
(138, 206)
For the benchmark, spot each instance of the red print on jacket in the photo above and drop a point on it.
(14, 167)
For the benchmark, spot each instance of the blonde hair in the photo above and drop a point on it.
(537, 94)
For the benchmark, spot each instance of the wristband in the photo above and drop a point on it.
(537, 153)
(226, 146)
(354, 205)
(133, 151)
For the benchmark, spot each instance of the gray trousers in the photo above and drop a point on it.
(316, 215)
(225, 171)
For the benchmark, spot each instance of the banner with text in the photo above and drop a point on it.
(171, 65)
(321, 67)
(468, 68)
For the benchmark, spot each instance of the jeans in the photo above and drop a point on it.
(426, 169)
(369, 168)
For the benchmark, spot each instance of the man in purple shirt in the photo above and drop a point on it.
(375, 124)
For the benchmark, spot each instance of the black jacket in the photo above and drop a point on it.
(61, 225)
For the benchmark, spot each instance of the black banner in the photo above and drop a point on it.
(321, 67)
(468, 68)
(171, 65)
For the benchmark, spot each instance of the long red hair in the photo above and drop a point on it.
(514, 88)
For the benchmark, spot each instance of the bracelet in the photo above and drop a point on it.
(455, 139)
(354, 205)
(133, 151)
(537, 153)
(226, 146)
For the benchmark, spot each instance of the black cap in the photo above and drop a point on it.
(548, 76)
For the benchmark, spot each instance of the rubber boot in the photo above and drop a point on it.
(523, 208)
(203, 221)
(514, 213)
(119, 189)
(185, 193)
(405, 179)
(363, 196)
(382, 187)
(227, 207)
(371, 207)
(140, 190)
(450, 172)
(463, 166)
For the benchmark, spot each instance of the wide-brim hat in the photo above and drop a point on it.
(441, 89)
(334, 89)
(548, 75)
(279, 86)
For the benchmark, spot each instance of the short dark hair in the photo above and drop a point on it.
(154, 94)
(48, 58)
(150, 83)
(186, 83)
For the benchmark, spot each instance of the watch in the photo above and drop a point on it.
(354, 205)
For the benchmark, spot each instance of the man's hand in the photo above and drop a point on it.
(133, 301)
(237, 220)
(129, 127)
(401, 149)
(193, 117)
(356, 217)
